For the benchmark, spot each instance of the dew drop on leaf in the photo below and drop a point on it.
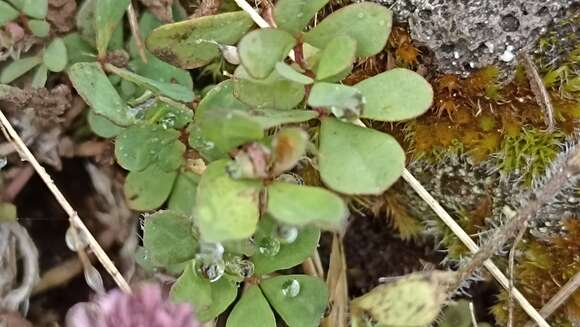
(210, 270)
(287, 234)
(291, 288)
(75, 243)
(269, 246)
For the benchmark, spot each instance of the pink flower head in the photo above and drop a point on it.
(146, 307)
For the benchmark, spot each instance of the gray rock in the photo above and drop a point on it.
(467, 34)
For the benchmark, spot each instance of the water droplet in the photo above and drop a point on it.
(286, 233)
(269, 246)
(291, 178)
(75, 243)
(241, 267)
(94, 279)
(291, 288)
(3, 162)
(361, 15)
(169, 120)
(212, 271)
(136, 113)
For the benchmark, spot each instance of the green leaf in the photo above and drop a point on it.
(295, 15)
(343, 101)
(192, 289)
(289, 73)
(184, 193)
(414, 300)
(302, 205)
(268, 118)
(252, 307)
(221, 96)
(226, 209)
(290, 254)
(227, 129)
(39, 28)
(55, 55)
(78, 50)
(35, 8)
(169, 114)
(208, 299)
(102, 126)
(170, 157)
(206, 148)
(337, 56)
(148, 189)
(85, 21)
(261, 49)
(18, 4)
(304, 309)
(168, 238)
(137, 146)
(174, 91)
(288, 147)
(274, 92)
(191, 43)
(95, 88)
(17, 68)
(368, 23)
(358, 160)
(397, 94)
(40, 76)
(108, 15)
(7, 13)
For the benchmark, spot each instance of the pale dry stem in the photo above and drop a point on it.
(74, 219)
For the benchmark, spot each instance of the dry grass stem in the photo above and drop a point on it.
(134, 25)
(74, 219)
(560, 298)
(338, 286)
(470, 244)
(539, 89)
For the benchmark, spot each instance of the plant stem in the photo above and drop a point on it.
(74, 218)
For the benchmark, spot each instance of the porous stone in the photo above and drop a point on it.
(468, 34)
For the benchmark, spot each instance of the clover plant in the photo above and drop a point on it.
(233, 212)
(53, 55)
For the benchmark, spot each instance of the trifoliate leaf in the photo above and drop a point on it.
(40, 76)
(367, 23)
(226, 209)
(397, 94)
(55, 55)
(35, 8)
(358, 160)
(274, 92)
(261, 49)
(39, 28)
(302, 205)
(208, 299)
(252, 307)
(192, 43)
(291, 253)
(299, 299)
(168, 238)
(184, 192)
(95, 88)
(344, 101)
(102, 126)
(337, 56)
(7, 13)
(108, 15)
(414, 300)
(268, 118)
(289, 73)
(148, 189)
(174, 91)
(139, 145)
(17, 68)
(295, 15)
